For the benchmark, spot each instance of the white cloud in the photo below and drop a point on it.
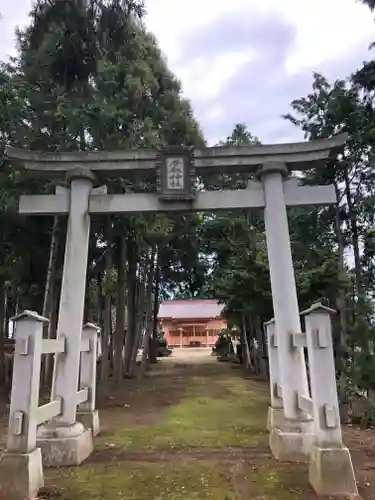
(12, 14)
(214, 113)
(325, 28)
(204, 78)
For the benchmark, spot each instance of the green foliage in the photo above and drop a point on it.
(234, 247)
(344, 258)
(88, 76)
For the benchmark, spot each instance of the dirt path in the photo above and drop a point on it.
(193, 430)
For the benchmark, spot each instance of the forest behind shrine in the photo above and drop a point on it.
(89, 76)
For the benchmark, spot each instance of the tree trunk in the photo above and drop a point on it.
(153, 337)
(120, 314)
(252, 341)
(245, 346)
(55, 312)
(99, 303)
(3, 333)
(148, 313)
(48, 296)
(259, 335)
(132, 306)
(355, 235)
(140, 320)
(341, 306)
(111, 341)
(107, 316)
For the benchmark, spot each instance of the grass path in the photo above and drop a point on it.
(190, 431)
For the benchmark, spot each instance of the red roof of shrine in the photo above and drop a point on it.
(191, 308)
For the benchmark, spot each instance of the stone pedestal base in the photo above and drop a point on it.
(90, 420)
(275, 419)
(21, 476)
(292, 443)
(63, 446)
(331, 472)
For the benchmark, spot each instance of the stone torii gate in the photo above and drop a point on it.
(176, 168)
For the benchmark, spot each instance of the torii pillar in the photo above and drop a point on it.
(294, 435)
(64, 441)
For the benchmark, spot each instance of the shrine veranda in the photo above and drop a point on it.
(302, 425)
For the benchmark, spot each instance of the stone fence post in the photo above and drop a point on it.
(21, 471)
(276, 410)
(87, 412)
(331, 470)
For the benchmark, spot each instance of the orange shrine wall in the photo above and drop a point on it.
(183, 332)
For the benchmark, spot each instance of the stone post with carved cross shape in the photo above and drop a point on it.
(87, 412)
(275, 417)
(331, 471)
(64, 441)
(294, 441)
(21, 470)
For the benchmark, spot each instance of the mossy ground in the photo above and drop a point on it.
(188, 432)
(233, 415)
(183, 481)
(187, 480)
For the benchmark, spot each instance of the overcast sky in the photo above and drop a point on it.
(245, 60)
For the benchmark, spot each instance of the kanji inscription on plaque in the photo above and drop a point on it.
(175, 173)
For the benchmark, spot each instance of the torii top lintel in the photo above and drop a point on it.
(296, 156)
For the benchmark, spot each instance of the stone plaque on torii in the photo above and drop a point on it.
(175, 169)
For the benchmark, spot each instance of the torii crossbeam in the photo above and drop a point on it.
(297, 156)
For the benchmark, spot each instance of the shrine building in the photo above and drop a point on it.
(192, 322)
